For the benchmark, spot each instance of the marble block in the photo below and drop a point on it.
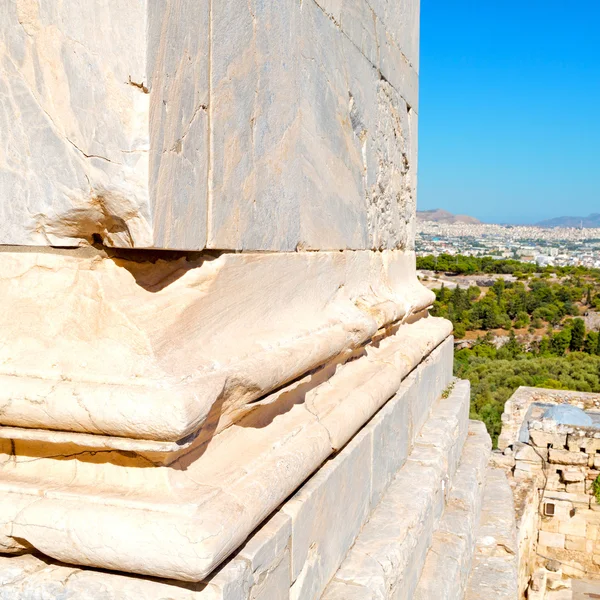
(193, 124)
(307, 526)
(101, 344)
(180, 518)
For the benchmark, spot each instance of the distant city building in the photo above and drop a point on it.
(565, 246)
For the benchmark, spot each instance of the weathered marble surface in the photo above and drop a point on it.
(495, 564)
(323, 133)
(127, 338)
(448, 564)
(74, 122)
(297, 534)
(155, 408)
(108, 508)
(388, 555)
(248, 125)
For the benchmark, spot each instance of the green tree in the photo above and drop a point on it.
(560, 342)
(522, 320)
(491, 316)
(498, 288)
(459, 331)
(577, 335)
(460, 299)
(545, 346)
(591, 343)
(512, 346)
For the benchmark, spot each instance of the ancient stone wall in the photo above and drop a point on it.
(201, 124)
(218, 374)
(553, 466)
(570, 513)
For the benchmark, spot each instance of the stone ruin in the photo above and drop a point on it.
(551, 450)
(218, 376)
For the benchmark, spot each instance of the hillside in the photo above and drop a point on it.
(439, 215)
(590, 221)
(539, 330)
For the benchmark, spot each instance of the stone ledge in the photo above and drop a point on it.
(203, 506)
(495, 563)
(262, 568)
(388, 555)
(169, 332)
(449, 559)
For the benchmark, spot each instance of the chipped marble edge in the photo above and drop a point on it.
(385, 315)
(207, 559)
(94, 441)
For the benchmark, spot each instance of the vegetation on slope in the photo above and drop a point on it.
(507, 305)
(496, 373)
(553, 349)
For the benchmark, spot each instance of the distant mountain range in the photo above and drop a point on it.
(439, 215)
(443, 216)
(592, 220)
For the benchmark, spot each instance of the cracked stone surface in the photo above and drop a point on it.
(193, 124)
(74, 154)
(281, 556)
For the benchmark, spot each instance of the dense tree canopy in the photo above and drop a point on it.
(472, 265)
(496, 374)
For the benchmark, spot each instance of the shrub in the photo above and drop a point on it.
(596, 489)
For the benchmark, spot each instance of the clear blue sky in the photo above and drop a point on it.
(509, 110)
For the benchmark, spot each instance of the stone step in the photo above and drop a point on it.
(388, 554)
(299, 548)
(449, 559)
(494, 573)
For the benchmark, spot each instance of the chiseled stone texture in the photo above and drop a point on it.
(192, 124)
(327, 515)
